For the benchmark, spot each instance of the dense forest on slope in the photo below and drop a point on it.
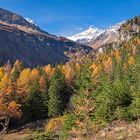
(88, 94)
(79, 98)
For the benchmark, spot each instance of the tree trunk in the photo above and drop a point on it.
(5, 125)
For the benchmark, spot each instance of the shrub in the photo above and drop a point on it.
(55, 125)
(42, 136)
(69, 123)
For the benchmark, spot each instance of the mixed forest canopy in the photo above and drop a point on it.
(81, 96)
(88, 92)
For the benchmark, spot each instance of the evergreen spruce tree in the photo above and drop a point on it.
(34, 105)
(44, 94)
(134, 79)
(57, 94)
(83, 100)
(105, 103)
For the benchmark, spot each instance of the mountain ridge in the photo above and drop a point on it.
(98, 36)
(20, 39)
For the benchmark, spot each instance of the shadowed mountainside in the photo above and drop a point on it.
(20, 39)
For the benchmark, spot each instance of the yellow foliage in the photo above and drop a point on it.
(59, 67)
(24, 76)
(118, 56)
(14, 109)
(22, 81)
(108, 65)
(42, 84)
(1, 73)
(10, 88)
(55, 124)
(48, 70)
(77, 67)
(12, 104)
(131, 60)
(95, 69)
(5, 79)
(5, 84)
(67, 72)
(34, 74)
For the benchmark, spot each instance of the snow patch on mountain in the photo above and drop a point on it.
(114, 28)
(110, 35)
(95, 37)
(30, 21)
(87, 35)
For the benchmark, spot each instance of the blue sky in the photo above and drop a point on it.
(68, 17)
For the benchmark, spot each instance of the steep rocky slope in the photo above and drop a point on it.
(23, 40)
(127, 30)
(108, 36)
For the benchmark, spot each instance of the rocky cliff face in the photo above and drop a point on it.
(130, 29)
(126, 31)
(23, 40)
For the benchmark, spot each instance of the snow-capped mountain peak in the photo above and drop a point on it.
(96, 37)
(110, 35)
(86, 35)
(30, 21)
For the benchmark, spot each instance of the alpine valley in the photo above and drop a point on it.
(84, 87)
(22, 39)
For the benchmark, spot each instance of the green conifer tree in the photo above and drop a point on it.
(34, 106)
(57, 94)
(83, 100)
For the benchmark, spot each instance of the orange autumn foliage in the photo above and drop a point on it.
(67, 72)
(108, 65)
(14, 109)
(49, 70)
(22, 82)
(42, 84)
(34, 74)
